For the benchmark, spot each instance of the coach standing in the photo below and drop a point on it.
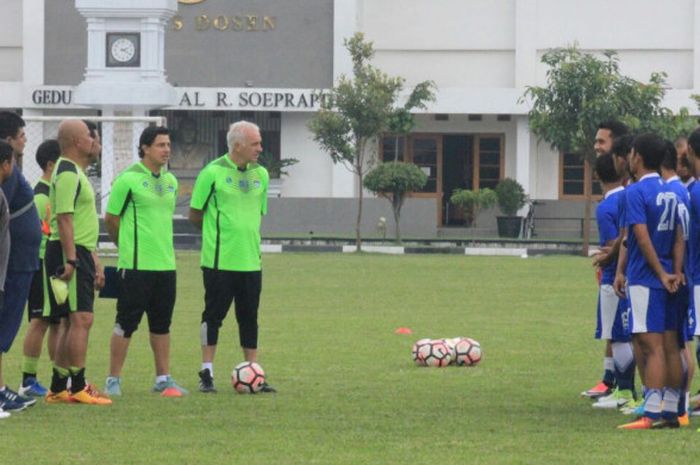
(70, 251)
(25, 239)
(228, 201)
(139, 220)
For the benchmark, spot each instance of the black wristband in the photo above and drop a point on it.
(73, 263)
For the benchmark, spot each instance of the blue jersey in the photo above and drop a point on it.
(677, 187)
(650, 202)
(621, 204)
(607, 217)
(25, 228)
(694, 241)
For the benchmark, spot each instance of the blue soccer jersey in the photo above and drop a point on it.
(676, 186)
(694, 241)
(607, 216)
(650, 202)
(621, 204)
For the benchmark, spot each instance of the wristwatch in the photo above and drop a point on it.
(73, 263)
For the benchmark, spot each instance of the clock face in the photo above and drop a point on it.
(123, 50)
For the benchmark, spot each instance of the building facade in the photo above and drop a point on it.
(265, 60)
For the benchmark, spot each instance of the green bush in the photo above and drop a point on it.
(276, 168)
(511, 196)
(472, 201)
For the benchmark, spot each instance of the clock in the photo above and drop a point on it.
(123, 49)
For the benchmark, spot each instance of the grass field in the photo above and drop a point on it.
(348, 390)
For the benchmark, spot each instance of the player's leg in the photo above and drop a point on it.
(160, 314)
(248, 288)
(603, 328)
(218, 296)
(34, 337)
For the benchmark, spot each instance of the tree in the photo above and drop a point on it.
(394, 180)
(582, 91)
(359, 109)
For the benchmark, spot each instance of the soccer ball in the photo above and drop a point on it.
(247, 377)
(450, 343)
(468, 352)
(435, 353)
(417, 351)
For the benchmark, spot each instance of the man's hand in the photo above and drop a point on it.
(99, 273)
(68, 270)
(671, 282)
(619, 284)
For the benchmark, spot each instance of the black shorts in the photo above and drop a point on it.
(149, 292)
(221, 288)
(81, 289)
(37, 292)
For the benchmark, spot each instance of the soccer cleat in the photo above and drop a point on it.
(599, 390)
(11, 406)
(684, 420)
(264, 387)
(113, 386)
(4, 414)
(32, 388)
(9, 394)
(62, 397)
(633, 407)
(169, 388)
(86, 397)
(92, 389)
(641, 423)
(206, 382)
(618, 398)
(664, 423)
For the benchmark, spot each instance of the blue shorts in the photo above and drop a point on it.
(678, 305)
(693, 314)
(17, 284)
(613, 316)
(649, 313)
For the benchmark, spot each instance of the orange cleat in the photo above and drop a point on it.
(684, 420)
(599, 390)
(641, 423)
(86, 397)
(62, 397)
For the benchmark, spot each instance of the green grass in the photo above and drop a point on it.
(349, 393)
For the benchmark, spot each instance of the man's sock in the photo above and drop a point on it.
(623, 357)
(59, 379)
(670, 397)
(208, 366)
(29, 365)
(77, 377)
(609, 375)
(652, 404)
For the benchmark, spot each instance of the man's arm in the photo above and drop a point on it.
(619, 283)
(99, 272)
(679, 254)
(65, 233)
(196, 217)
(112, 225)
(640, 231)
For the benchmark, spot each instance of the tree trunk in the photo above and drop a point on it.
(396, 202)
(358, 224)
(588, 190)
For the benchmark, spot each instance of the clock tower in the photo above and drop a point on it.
(126, 47)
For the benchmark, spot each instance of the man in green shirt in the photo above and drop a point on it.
(70, 255)
(39, 321)
(139, 220)
(228, 201)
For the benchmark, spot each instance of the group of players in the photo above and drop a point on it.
(48, 241)
(649, 274)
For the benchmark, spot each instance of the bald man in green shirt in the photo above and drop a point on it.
(228, 201)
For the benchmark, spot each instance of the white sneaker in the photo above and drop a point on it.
(617, 399)
(4, 414)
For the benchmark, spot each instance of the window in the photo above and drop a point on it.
(572, 176)
(489, 161)
(393, 148)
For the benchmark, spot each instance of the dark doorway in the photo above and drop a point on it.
(457, 173)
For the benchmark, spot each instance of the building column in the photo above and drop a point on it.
(696, 46)
(522, 153)
(525, 43)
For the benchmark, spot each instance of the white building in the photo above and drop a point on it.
(263, 60)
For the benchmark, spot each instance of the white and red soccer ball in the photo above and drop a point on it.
(431, 352)
(467, 352)
(248, 378)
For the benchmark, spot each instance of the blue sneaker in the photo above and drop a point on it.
(9, 395)
(7, 406)
(31, 387)
(169, 388)
(113, 386)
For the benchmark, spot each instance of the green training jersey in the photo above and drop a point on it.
(145, 203)
(41, 200)
(71, 192)
(233, 201)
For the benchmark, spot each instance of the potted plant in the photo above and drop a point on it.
(472, 201)
(276, 169)
(511, 198)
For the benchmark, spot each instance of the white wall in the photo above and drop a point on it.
(11, 40)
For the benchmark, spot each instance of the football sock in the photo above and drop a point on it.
(161, 378)
(652, 404)
(623, 358)
(29, 365)
(609, 367)
(77, 376)
(208, 366)
(59, 379)
(670, 403)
